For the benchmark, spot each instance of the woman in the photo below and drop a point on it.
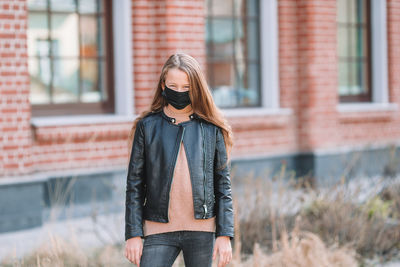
(178, 194)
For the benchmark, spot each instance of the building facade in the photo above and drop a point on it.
(309, 84)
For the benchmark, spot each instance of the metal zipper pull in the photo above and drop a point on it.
(204, 171)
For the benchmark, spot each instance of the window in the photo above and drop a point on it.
(233, 52)
(70, 57)
(354, 50)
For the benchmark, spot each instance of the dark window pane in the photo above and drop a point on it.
(63, 5)
(37, 4)
(90, 6)
(353, 49)
(38, 34)
(222, 38)
(247, 83)
(253, 85)
(239, 43)
(92, 36)
(208, 31)
(103, 80)
(354, 85)
(90, 84)
(357, 77)
(252, 8)
(364, 78)
(246, 8)
(223, 90)
(39, 72)
(65, 80)
(362, 39)
(64, 30)
(68, 51)
(343, 41)
(233, 52)
(208, 7)
(222, 8)
(352, 11)
(363, 11)
(252, 36)
(224, 73)
(343, 73)
(342, 11)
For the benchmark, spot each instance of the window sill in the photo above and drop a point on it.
(42, 176)
(52, 121)
(367, 112)
(367, 107)
(80, 119)
(251, 112)
(261, 118)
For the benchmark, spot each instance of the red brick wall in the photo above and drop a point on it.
(317, 72)
(15, 132)
(393, 9)
(308, 85)
(372, 127)
(161, 28)
(307, 73)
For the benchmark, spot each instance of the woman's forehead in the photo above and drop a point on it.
(177, 75)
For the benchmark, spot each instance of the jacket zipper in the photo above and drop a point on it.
(204, 173)
(173, 170)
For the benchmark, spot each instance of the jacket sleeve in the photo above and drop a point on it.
(222, 190)
(135, 186)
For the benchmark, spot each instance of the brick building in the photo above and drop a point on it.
(313, 84)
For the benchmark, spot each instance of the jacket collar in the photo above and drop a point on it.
(192, 117)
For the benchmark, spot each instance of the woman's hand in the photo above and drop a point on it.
(224, 250)
(133, 249)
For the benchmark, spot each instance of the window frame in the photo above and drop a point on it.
(362, 97)
(247, 60)
(269, 67)
(106, 107)
(123, 76)
(379, 65)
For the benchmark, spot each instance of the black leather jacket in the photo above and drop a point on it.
(154, 152)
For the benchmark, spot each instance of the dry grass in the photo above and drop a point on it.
(342, 221)
(300, 249)
(365, 222)
(329, 227)
(59, 252)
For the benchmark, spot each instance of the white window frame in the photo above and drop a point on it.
(269, 66)
(379, 61)
(123, 75)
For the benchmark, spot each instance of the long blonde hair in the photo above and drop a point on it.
(202, 102)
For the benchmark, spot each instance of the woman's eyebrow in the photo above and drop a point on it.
(172, 83)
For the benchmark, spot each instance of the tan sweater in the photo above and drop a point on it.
(181, 210)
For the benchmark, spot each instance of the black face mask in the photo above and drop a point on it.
(178, 100)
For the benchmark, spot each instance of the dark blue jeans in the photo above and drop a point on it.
(161, 250)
